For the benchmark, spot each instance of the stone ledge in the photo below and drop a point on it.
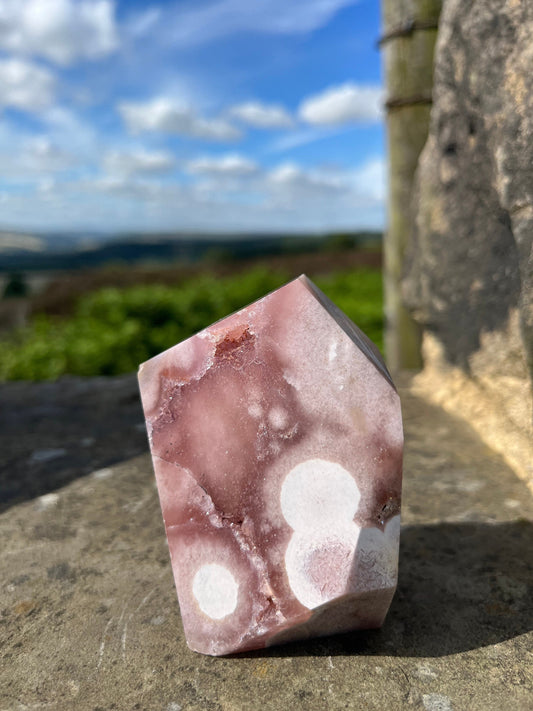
(89, 618)
(484, 402)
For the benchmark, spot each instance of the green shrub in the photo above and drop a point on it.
(359, 294)
(113, 330)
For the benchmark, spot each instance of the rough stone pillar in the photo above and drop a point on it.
(408, 43)
(469, 268)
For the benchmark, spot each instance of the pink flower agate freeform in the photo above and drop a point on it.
(277, 440)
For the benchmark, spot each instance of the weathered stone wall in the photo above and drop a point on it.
(469, 270)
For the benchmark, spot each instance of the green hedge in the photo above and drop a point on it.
(113, 330)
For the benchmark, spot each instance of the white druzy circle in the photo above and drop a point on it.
(215, 590)
(317, 493)
(319, 566)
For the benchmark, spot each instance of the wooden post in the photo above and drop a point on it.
(408, 43)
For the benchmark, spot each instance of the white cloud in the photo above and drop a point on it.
(24, 85)
(47, 186)
(143, 22)
(290, 176)
(30, 160)
(140, 161)
(62, 31)
(347, 103)
(301, 137)
(291, 196)
(284, 197)
(370, 179)
(201, 22)
(76, 135)
(233, 165)
(261, 115)
(43, 155)
(123, 186)
(165, 116)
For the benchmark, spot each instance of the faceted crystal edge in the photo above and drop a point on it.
(361, 340)
(220, 321)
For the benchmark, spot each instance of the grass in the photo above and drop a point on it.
(113, 330)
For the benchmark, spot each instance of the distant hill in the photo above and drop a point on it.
(18, 243)
(70, 252)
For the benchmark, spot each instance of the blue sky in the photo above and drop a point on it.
(219, 115)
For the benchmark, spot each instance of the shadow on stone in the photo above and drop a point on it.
(52, 433)
(461, 587)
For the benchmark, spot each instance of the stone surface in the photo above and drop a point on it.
(276, 438)
(469, 277)
(89, 618)
(100, 419)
